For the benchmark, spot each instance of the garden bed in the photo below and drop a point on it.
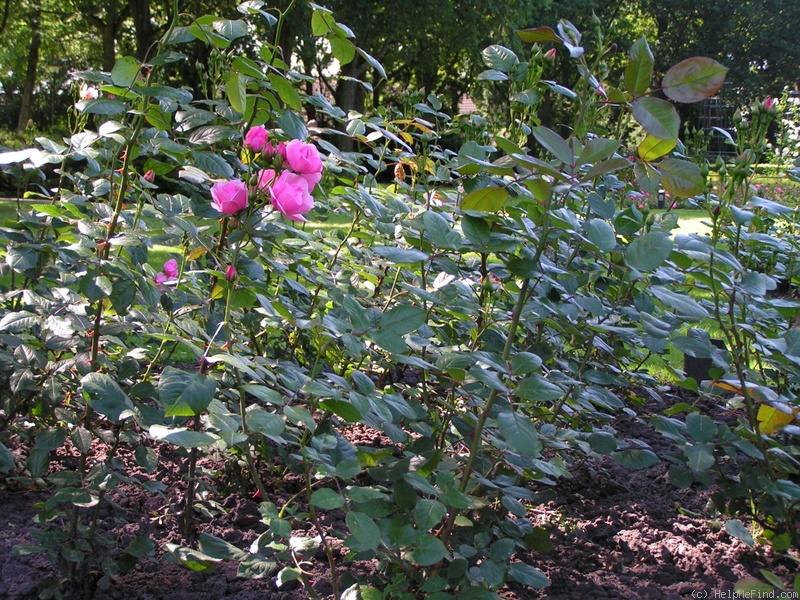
(615, 533)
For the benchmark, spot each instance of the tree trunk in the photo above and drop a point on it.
(26, 107)
(143, 26)
(350, 94)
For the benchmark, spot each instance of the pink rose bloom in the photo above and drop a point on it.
(290, 196)
(304, 160)
(169, 272)
(256, 138)
(265, 179)
(229, 197)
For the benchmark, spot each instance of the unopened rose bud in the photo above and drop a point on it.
(230, 273)
(550, 54)
(150, 176)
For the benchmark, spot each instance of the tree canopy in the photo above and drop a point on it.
(433, 46)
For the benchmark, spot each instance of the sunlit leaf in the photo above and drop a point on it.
(652, 148)
(639, 70)
(538, 34)
(648, 251)
(770, 419)
(125, 71)
(488, 199)
(694, 79)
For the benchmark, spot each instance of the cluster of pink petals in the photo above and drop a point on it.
(168, 273)
(229, 197)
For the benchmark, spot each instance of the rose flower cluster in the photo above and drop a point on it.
(293, 169)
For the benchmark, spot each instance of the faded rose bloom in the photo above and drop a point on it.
(304, 159)
(256, 138)
(229, 197)
(290, 196)
(230, 273)
(88, 92)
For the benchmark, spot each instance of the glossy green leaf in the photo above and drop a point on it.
(680, 303)
(440, 231)
(327, 499)
(236, 92)
(488, 199)
(658, 117)
(180, 436)
(701, 427)
(735, 528)
(286, 91)
(364, 533)
(105, 396)
(694, 79)
(185, 393)
(499, 58)
(639, 70)
(699, 457)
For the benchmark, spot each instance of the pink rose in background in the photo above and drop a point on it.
(256, 138)
(290, 196)
(304, 160)
(229, 197)
(169, 272)
(265, 179)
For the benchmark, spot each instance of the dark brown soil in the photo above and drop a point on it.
(616, 534)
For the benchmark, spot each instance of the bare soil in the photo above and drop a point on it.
(616, 533)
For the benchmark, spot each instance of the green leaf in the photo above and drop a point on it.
(648, 178)
(657, 116)
(652, 148)
(185, 393)
(735, 528)
(639, 70)
(403, 319)
(180, 436)
(286, 91)
(7, 462)
(553, 142)
(441, 234)
(648, 251)
(218, 548)
(364, 533)
(343, 409)
(236, 92)
(428, 513)
(327, 499)
(105, 396)
(527, 575)
(400, 256)
(520, 434)
(231, 29)
(680, 303)
(499, 58)
(488, 199)
(601, 234)
(102, 106)
(700, 457)
(429, 551)
(266, 423)
(635, 459)
(292, 124)
(537, 389)
(538, 34)
(694, 79)
(125, 71)
(598, 149)
(680, 177)
(602, 442)
(342, 49)
(701, 427)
